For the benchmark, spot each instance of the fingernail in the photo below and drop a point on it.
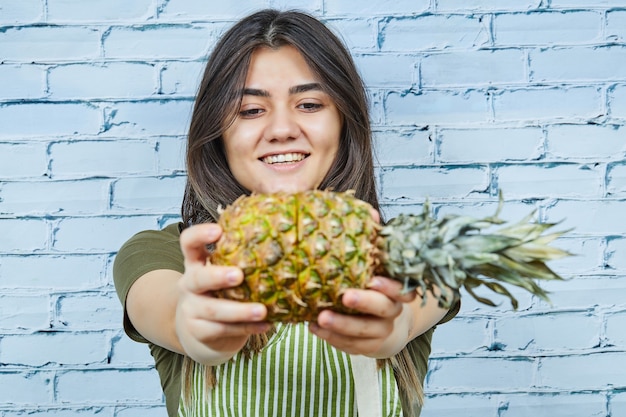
(232, 276)
(257, 312)
(374, 284)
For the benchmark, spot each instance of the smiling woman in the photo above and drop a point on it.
(281, 107)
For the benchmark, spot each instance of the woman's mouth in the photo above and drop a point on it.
(284, 158)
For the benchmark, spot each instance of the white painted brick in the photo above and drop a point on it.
(22, 160)
(417, 184)
(54, 348)
(616, 25)
(95, 312)
(34, 272)
(548, 104)
(480, 373)
(618, 403)
(384, 70)
(460, 405)
(437, 107)
(615, 251)
(566, 373)
(384, 7)
(115, 80)
(489, 145)
(311, 6)
(193, 9)
(84, 159)
(590, 217)
(552, 404)
(49, 43)
(165, 117)
(24, 312)
(142, 411)
(171, 154)
(530, 180)
(23, 235)
(22, 82)
(617, 102)
(587, 255)
(473, 68)
(152, 194)
(593, 142)
(48, 119)
(71, 11)
(616, 177)
(86, 386)
(586, 293)
(615, 324)
(127, 352)
(54, 197)
(433, 32)
(548, 332)
(485, 5)
(357, 34)
(25, 388)
(586, 3)
(181, 78)
(461, 335)
(62, 411)
(403, 147)
(18, 12)
(98, 234)
(547, 28)
(156, 42)
(578, 64)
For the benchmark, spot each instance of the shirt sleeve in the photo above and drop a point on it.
(146, 251)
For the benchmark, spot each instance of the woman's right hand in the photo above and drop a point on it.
(209, 329)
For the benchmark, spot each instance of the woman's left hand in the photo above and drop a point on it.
(381, 330)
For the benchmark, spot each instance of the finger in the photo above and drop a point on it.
(392, 289)
(371, 303)
(200, 279)
(353, 327)
(229, 311)
(194, 239)
(375, 215)
(225, 337)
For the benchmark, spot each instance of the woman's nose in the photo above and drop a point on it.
(282, 125)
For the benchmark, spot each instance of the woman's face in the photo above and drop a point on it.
(286, 132)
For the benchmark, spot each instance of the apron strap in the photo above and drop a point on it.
(366, 386)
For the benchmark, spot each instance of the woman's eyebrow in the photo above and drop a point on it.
(302, 88)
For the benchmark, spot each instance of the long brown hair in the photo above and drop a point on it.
(210, 182)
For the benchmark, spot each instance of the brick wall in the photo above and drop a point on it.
(468, 98)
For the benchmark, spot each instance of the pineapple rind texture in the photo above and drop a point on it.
(300, 252)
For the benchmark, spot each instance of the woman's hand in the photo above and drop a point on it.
(382, 329)
(209, 329)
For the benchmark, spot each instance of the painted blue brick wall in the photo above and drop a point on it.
(468, 99)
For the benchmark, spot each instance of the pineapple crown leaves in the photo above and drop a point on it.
(441, 256)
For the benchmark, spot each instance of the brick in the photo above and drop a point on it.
(122, 386)
(54, 197)
(550, 103)
(156, 42)
(163, 117)
(437, 107)
(181, 78)
(617, 102)
(587, 255)
(593, 142)
(419, 183)
(588, 217)
(23, 235)
(481, 374)
(547, 28)
(432, 32)
(615, 250)
(127, 352)
(484, 6)
(49, 43)
(586, 292)
(65, 411)
(23, 160)
(566, 373)
(311, 6)
(473, 68)
(171, 154)
(27, 81)
(587, 3)
(24, 312)
(99, 11)
(618, 403)
(89, 311)
(33, 272)
(19, 12)
(548, 332)
(357, 34)
(149, 194)
(578, 64)
(193, 9)
(98, 234)
(461, 335)
(385, 70)
(25, 388)
(114, 80)
(383, 7)
(616, 25)
(489, 144)
(615, 324)
(538, 180)
(403, 147)
(85, 159)
(48, 119)
(616, 180)
(54, 348)
(525, 300)
(555, 404)
(461, 405)
(141, 411)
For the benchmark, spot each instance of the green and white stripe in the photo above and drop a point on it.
(296, 374)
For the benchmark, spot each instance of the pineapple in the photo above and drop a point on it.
(300, 252)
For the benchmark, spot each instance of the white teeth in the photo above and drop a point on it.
(285, 157)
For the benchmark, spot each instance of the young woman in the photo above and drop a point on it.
(280, 107)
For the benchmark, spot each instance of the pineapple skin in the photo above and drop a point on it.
(299, 252)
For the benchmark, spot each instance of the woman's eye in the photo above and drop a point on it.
(250, 112)
(310, 106)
